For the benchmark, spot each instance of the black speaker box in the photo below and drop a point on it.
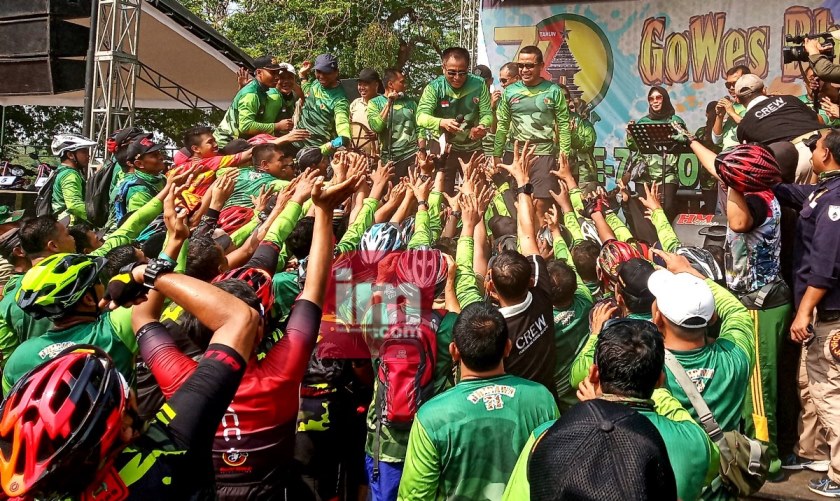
(42, 36)
(60, 8)
(40, 75)
(700, 230)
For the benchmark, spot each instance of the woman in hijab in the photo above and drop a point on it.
(649, 168)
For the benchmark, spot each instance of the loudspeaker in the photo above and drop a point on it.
(700, 230)
(40, 75)
(42, 36)
(351, 88)
(60, 8)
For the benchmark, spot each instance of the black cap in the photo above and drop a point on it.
(267, 63)
(601, 450)
(142, 146)
(369, 75)
(308, 157)
(483, 71)
(124, 137)
(633, 277)
(326, 63)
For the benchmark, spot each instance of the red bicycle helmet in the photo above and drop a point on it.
(613, 253)
(257, 278)
(748, 168)
(59, 423)
(234, 217)
(424, 268)
(642, 246)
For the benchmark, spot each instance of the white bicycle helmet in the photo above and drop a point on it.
(589, 231)
(63, 143)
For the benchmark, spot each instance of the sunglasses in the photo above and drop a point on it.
(730, 85)
(453, 73)
(530, 66)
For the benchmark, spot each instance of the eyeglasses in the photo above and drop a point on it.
(530, 66)
(730, 85)
(454, 73)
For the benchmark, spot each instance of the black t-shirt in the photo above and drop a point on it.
(531, 330)
(777, 118)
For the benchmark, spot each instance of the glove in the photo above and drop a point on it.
(122, 289)
(591, 206)
(339, 142)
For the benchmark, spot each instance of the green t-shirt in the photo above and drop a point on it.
(111, 331)
(16, 326)
(68, 196)
(465, 442)
(654, 162)
(582, 155)
(254, 110)
(571, 330)
(325, 113)
(394, 441)
(402, 139)
(729, 133)
(249, 181)
(538, 114)
(439, 100)
(694, 459)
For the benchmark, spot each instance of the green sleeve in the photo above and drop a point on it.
(502, 125)
(377, 123)
(8, 341)
(363, 221)
(181, 264)
(7, 384)
(485, 112)
(435, 223)
(121, 322)
(72, 189)
(664, 231)
(736, 324)
(584, 360)
(131, 227)
(341, 115)
(585, 135)
(619, 228)
(518, 488)
(570, 221)
(466, 288)
(248, 107)
(422, 467)
(426, 108)
(282, 227)
(561, 251)
(499, 200)
(239, 236)
(561, 117)
(305, 85)
(422, 236)
(576, 196)
(138, 198)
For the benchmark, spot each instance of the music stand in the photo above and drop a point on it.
(657, 139)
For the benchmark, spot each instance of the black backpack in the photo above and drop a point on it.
(97, 194)
(43, 202)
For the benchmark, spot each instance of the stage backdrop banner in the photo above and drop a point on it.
(609, 53)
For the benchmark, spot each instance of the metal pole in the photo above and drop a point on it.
(87, 125)
(2, 130)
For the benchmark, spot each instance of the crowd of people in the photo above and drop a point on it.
(454, 309)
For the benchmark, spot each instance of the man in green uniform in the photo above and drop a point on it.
(534, 110)
(326, 110)
(290, 93)
(456, 105)
(392, 117)
(447, 456)
(256, 107)
(628, 364)
(582, 155)
(729, 111)
(68, 196)
(269, 161)
(137, 188)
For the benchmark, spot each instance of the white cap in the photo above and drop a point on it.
(682, 298)
(287, 67)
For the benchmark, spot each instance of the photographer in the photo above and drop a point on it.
(821, 61)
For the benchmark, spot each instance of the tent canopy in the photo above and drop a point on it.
(176, 44)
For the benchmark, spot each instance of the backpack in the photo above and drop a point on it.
(121, 200)
(43, 202)
(97, 194)
(405, 376)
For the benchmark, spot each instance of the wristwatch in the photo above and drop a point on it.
(423, 203)
(154, 269)
(527, 189)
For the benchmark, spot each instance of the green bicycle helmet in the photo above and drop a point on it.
(57, 283)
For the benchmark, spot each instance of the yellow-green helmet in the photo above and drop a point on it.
(57, 283)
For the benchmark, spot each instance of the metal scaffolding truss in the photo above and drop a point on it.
(173, 90)
(115, 69)
(469, 27)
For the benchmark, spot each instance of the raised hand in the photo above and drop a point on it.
(329, 197)
(470, 212)
(522, 159)
(261, 201)
(651, 199)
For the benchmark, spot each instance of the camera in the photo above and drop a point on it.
(792, 53)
